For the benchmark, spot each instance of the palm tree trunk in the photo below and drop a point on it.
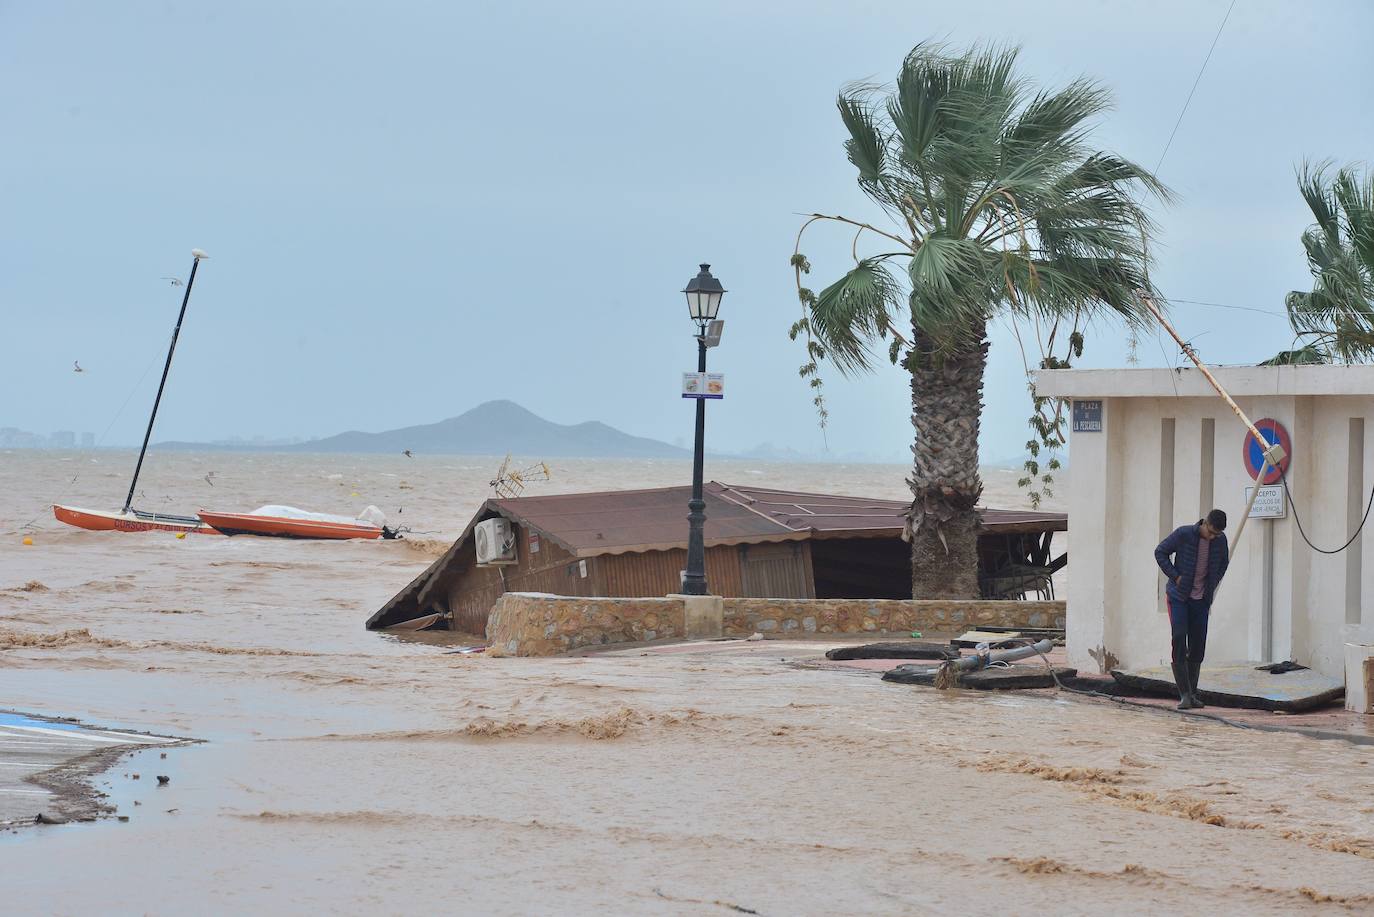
(943, 523)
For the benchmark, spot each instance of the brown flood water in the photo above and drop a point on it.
(350, 772)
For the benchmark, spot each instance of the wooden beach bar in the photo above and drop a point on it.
(760, 542)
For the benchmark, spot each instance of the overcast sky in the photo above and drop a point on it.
(412, 208)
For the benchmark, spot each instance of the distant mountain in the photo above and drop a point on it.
(496, 428)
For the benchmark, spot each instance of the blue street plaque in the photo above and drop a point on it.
(1087, 417)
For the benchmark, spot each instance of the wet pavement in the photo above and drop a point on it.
(59, 753)
(1330, 722)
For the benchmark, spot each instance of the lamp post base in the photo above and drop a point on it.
(694, 580)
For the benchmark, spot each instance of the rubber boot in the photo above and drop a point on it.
(1194, 673)
(1185, 695)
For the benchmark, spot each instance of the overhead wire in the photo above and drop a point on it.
(1198, 79)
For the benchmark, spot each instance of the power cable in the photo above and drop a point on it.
(1116, 698)
(1200, 71)
(1283, 476)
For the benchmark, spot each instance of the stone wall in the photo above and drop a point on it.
(531, 624)
(805, 617)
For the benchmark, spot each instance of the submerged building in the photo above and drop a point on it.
(759, 543)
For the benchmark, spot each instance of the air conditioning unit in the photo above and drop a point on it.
(495, 542)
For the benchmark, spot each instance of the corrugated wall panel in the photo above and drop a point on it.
(774, 571)
(660, 572)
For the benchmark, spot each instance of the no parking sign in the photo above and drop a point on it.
(1273, 432)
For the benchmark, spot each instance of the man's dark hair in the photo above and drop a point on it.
(1217, 519)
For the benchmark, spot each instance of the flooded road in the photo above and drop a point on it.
(350, 772)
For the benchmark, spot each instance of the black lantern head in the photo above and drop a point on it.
(703, 296)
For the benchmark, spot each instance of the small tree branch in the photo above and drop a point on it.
(842, 219)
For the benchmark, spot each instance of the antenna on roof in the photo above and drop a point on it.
(510, 482)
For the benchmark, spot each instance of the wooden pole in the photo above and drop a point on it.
(1250, 504)
(1273, 452)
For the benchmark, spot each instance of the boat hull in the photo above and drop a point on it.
(282, 527)
(99, 521)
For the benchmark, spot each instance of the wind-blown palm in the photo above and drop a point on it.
(1000, 209)
(1335, 320)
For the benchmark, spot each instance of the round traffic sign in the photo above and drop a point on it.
(1273, 432)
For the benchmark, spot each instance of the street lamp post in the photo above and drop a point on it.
(704, 293)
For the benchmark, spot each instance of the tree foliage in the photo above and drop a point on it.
(1334, 321)
(994, 204)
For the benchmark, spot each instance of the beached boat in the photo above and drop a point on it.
(289, 522)
(132, 521)
(129, 519)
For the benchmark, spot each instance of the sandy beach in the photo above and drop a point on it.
(343, 771)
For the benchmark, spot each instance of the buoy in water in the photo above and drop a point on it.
(28, 540)
(181, 534)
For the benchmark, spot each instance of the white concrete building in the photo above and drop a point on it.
(1166, 450)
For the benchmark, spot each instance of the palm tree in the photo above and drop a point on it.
(1335, 320)
(998, 208)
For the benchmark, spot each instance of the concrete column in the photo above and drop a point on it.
(1093, 509)
(703, 616)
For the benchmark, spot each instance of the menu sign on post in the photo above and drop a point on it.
(703, 385)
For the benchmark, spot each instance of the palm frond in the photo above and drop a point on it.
(1339, 309)
(1002, 203)
(1316, 192)
(1303, 356)
(852, 312)
(866, 146)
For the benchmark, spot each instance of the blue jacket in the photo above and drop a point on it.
(1177, 556)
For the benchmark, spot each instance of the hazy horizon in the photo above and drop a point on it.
(417, 208)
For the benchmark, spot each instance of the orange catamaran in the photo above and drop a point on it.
(135, 520)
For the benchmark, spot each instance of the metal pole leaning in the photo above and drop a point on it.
(196, 255)
(1250, 504)
(1273, 452)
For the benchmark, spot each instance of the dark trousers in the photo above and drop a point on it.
(1188, 621)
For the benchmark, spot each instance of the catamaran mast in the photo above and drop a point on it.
(196, 255)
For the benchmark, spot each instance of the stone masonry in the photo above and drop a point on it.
(526, 624)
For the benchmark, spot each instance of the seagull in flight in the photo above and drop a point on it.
(176, 281)
(406, 453)
(77, 367)
(208, 477)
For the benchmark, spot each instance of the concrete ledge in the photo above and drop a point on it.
(532, 624)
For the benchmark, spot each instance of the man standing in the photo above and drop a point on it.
(1194, 558)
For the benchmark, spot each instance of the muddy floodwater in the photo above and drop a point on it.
(348, 772)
